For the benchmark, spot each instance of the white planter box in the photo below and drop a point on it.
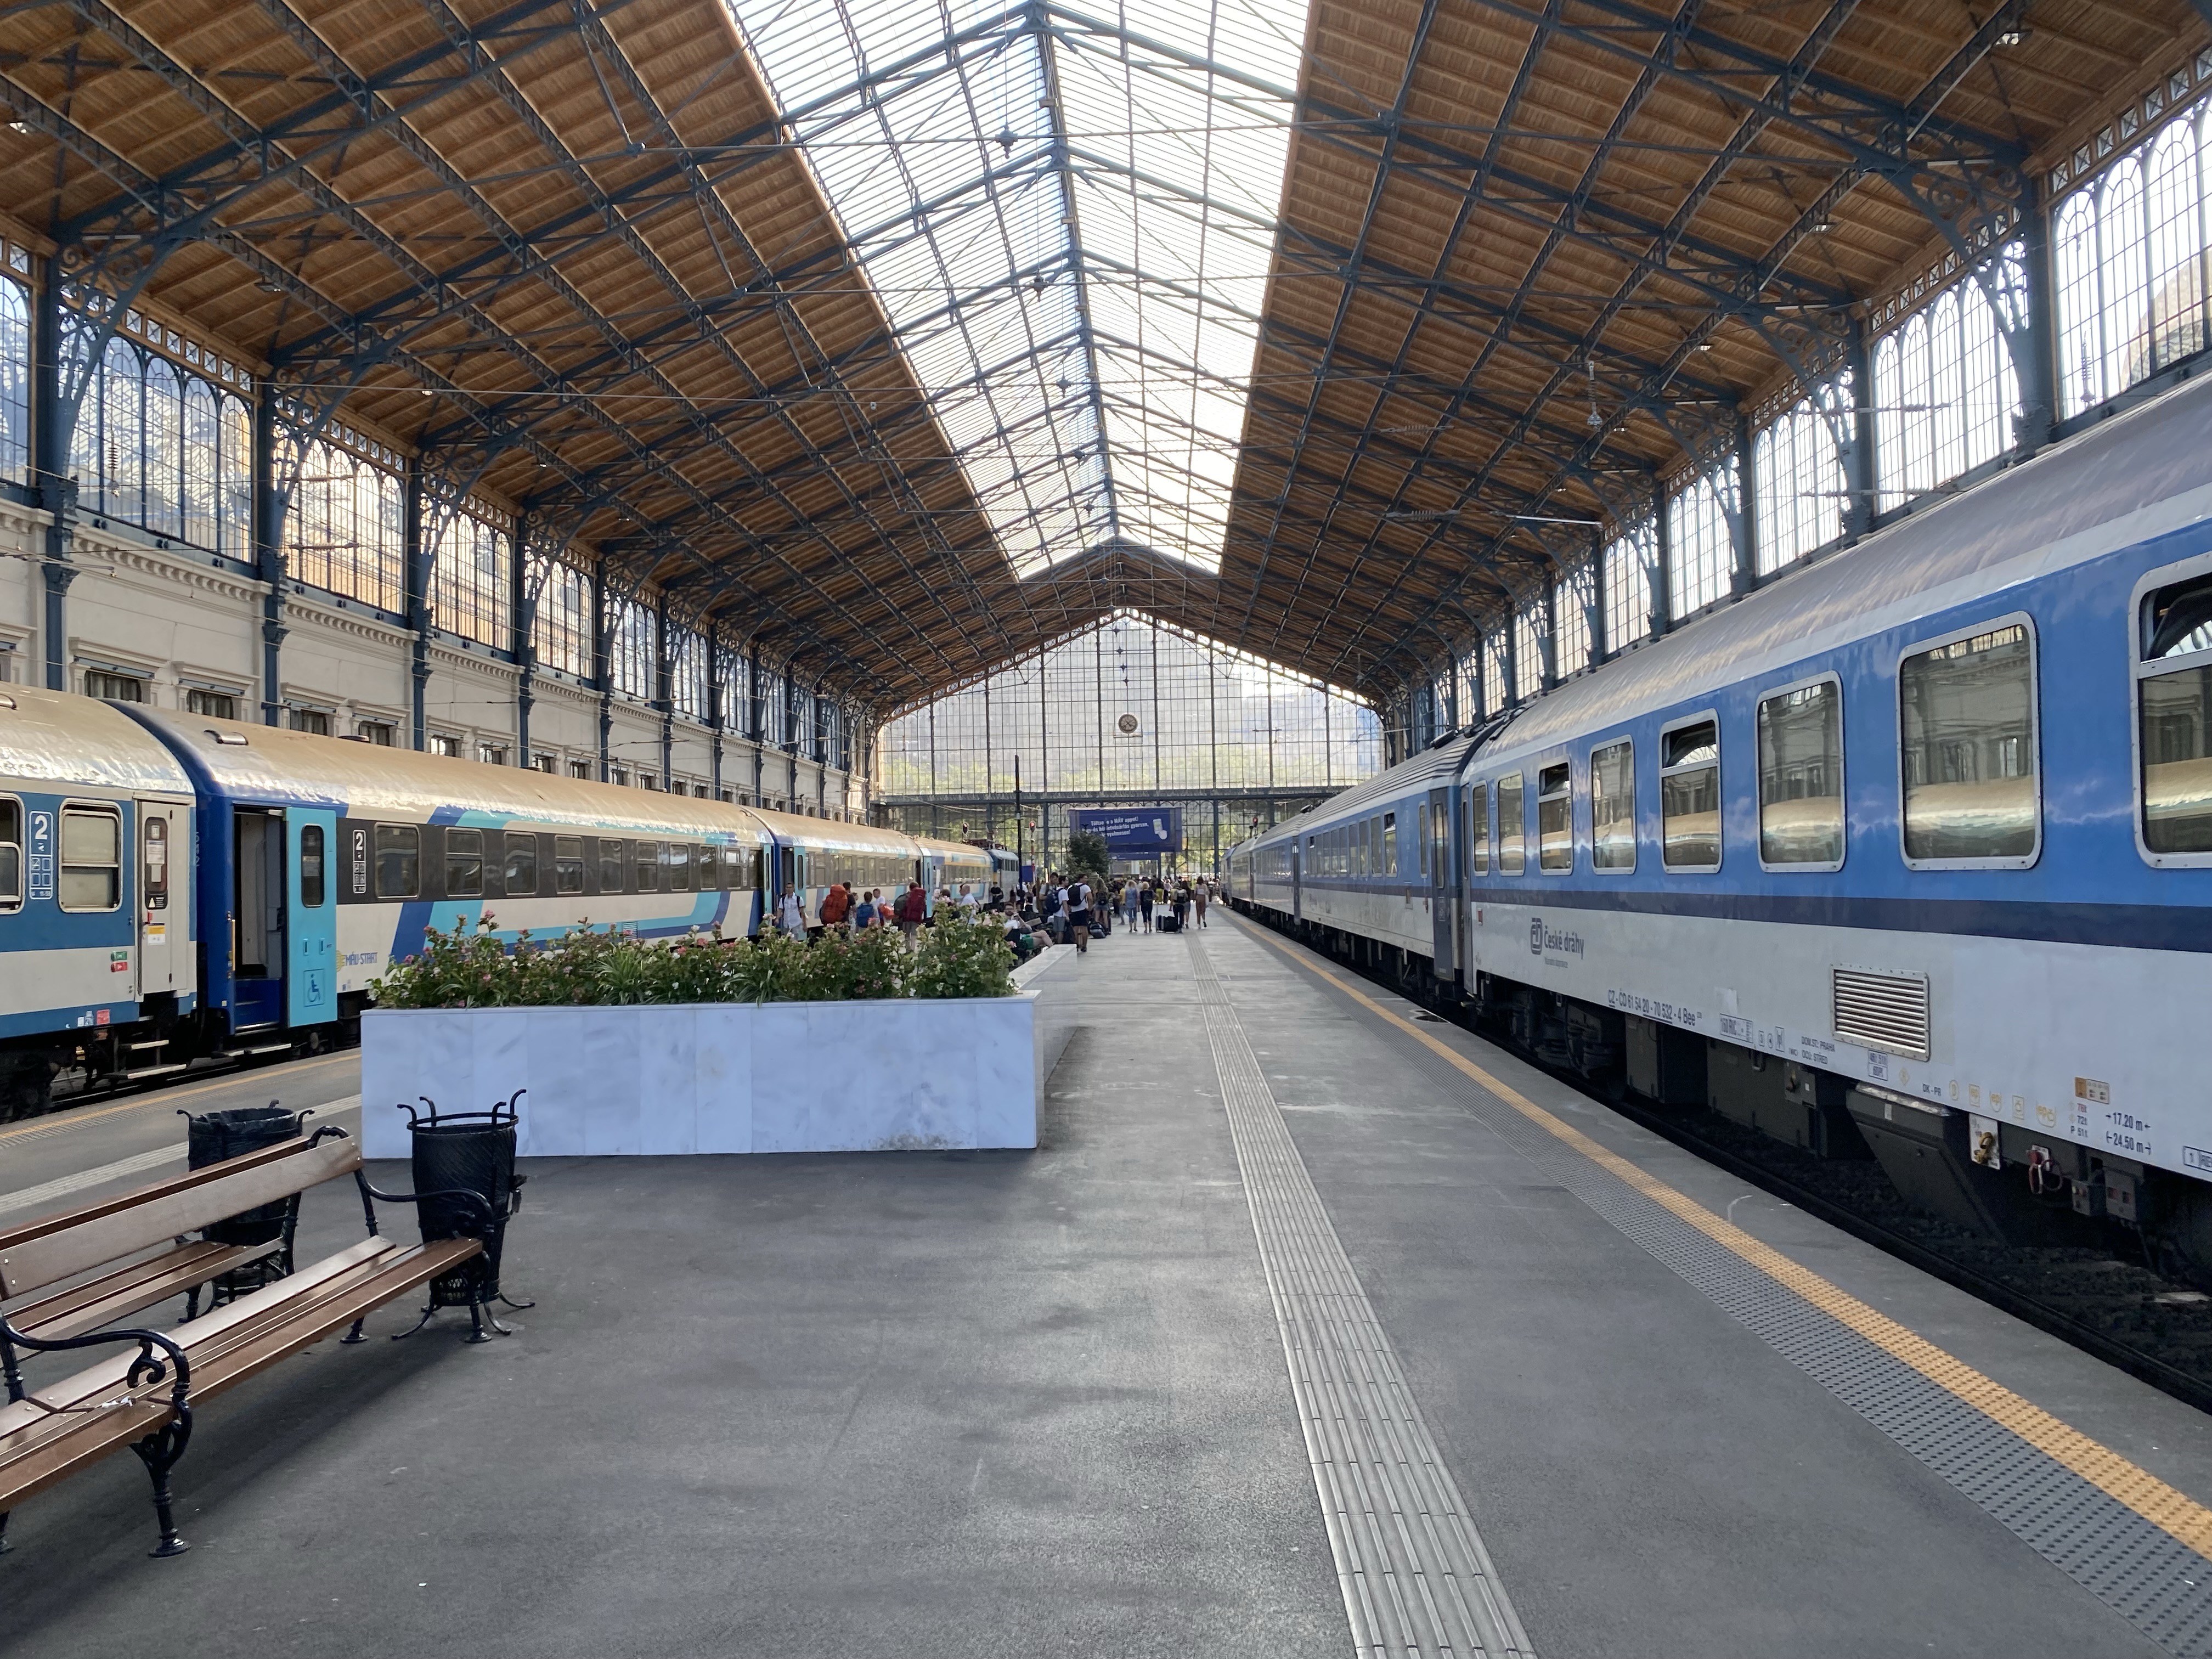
(904, 1074)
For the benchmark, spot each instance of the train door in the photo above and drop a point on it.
(311, 938)
(257, 918)
(1297, 885)
(1443, 914)
(161, 908)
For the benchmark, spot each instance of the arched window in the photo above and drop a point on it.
(469, 576)
(1918, 451)
(234, 483)
(560, 623)
(1987, 400)
(1700, 526)
(156, 445)
(1945, 346)
(2080, 311)
(345, 527)
(2177, 247)
(1889, 418)
(2127, 278)
(633, 649)
(203, 464)
(164, 449)
(123, 432)
(15, 381)
(1799, 481)
(1571, 595)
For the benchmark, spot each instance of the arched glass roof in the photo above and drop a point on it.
(1069, 219)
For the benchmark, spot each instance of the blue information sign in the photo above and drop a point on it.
(1131, 832)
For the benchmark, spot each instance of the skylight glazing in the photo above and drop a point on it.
(1069, 219)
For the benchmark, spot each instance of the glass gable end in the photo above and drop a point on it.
(1069, 221)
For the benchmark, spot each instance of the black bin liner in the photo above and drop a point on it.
(469, 1152)
(212, 1137)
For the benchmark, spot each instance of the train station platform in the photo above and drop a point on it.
(1313, 1326)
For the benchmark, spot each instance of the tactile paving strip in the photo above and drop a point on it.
(1416, 1579)
(2144, 1573)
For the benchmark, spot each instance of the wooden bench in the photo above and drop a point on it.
(63, 1278)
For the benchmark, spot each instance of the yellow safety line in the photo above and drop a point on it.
(2170, 1512)
(54, 1122)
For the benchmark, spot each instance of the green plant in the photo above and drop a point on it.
(962, 955)
(1087, 855)
(470, 967)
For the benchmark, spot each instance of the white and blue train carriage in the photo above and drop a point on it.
(327, 860)
(97, 967)
(1931, 817)
(948, 864)
(1373, 864)
(813, 854)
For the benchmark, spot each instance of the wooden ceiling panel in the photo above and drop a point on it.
(637, 318)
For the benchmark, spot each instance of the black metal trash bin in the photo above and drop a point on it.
(213, 1137)
(469, 1152)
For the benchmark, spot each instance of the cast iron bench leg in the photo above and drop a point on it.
(159, 1452)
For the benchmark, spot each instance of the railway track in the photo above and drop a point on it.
(67, 1109)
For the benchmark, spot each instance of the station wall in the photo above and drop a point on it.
(180, 624)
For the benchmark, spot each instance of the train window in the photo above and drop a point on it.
(1478, 829)
(676, 866)
(1966, 714)
(1613, 806)
(311, 884)
(737, 874)
(398, 860)
(11, 853)
(464, 863)
(614, 859)
(1801, 776)
(1390, 845)
(518, 869)
(1512, 824)
(1690, 797)
(567, 863)
(1555, 817)
(154, 861)
(710, 870)
(2173, 721)
(646, 861)
(92, 859)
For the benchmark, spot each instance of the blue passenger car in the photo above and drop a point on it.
(97, 967)
(1929, 819)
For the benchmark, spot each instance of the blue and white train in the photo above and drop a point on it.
(1911, 848)
(174, 885)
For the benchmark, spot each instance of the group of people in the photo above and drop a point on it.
(1058, 910)
(1072, 909)
(849, 911)
(1184, 897)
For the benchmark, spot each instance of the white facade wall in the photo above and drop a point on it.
(182, 621)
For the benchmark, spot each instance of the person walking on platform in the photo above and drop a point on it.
(1078, 915)
(1144, 903)
(791, 914)
(913, 910)
(1129, 906)
(1198, 896)
(836, 906)
(1182, 905)
(864, 913)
